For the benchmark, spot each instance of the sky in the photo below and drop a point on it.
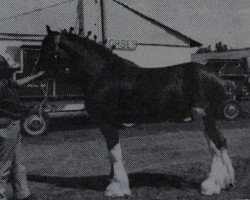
(207, 21)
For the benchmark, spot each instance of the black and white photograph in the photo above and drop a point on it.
(124, 99)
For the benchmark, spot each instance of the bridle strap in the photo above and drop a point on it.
(57, 42)
(58, 49)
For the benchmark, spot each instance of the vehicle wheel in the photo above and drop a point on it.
(34, 125)
(231, 110)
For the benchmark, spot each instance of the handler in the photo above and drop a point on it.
(10, 138)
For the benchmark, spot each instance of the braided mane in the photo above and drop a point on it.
(99, 48)
(89, 44)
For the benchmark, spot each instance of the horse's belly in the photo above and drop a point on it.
(144, 104)
(154, 112)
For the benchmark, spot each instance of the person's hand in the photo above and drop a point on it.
(4, 122)
(40, 73)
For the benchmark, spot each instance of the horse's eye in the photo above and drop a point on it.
(56, 56)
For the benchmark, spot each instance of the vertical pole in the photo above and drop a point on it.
(80, 13)
(90, 13)
(103, 21)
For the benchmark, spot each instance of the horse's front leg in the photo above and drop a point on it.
(221, 175)
(119, 185)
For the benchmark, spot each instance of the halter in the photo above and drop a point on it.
(46, 89)
(57, 48)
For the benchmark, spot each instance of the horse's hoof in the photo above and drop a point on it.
(114, 190)
(210, 187)
(127, 192)
(228, 183)
(229, 186)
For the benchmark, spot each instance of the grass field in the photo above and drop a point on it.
(164, 161)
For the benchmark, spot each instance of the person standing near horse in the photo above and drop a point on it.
(10, 138)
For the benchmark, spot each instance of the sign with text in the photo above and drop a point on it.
(127, 45)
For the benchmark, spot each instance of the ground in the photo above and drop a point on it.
(164, 161)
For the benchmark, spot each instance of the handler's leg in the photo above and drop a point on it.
(8, 145)
(18, 171)
(221, 175)
(6, 155)
(119, 185)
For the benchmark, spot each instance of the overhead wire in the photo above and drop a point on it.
(35, 10)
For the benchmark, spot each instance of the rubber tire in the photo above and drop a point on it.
(34, 118)
(226, 112)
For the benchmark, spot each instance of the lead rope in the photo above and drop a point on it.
(45, 92)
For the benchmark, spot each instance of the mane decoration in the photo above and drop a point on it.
(87, 43)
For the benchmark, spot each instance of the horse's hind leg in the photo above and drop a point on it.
(119, 185)
(221, 175)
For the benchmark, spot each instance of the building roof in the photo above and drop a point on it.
(21, 37)
(224, 55)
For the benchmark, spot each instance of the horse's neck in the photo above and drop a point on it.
(87, 64)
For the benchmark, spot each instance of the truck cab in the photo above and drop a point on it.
(237, 71)
(45, 98)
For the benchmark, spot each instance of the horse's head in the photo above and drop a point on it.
(52, 59)
(79, 57)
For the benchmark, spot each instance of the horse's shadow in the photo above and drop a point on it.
(98, 183)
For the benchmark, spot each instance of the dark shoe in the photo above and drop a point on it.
(30, 197)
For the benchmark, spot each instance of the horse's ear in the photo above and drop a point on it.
(48, 29)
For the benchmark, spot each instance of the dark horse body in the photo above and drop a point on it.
(117, 90)
(143, 95)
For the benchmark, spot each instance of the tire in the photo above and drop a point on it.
(34, 125)
(231, 110)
